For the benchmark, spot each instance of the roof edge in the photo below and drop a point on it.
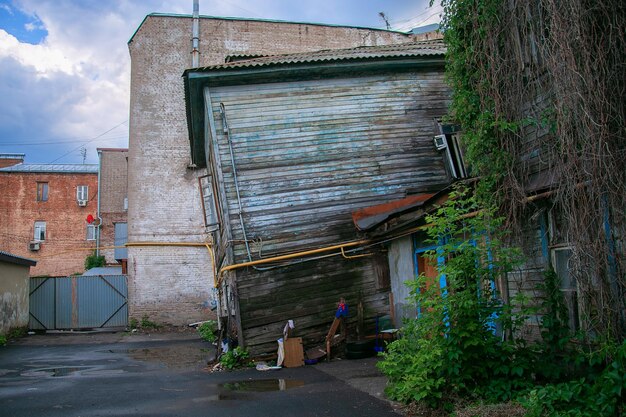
(255, 19)
(17, 260)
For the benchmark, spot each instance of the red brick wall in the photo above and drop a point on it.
(113, 191)
(63, 252)
(9, 162)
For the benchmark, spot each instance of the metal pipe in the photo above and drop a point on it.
(232, 160)
(195, 35)
(97, 230)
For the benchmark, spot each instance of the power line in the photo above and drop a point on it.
(60, 142)
(91, 140)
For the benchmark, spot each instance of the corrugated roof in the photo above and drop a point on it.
(14, 259)
(103, 270)
(413, 49)
(370, 217)
(12, 155)
(53, 168)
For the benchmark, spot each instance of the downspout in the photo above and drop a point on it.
(98, 209)
(195, 35)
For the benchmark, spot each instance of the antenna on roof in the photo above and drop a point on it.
(385, 19)
(83, 152)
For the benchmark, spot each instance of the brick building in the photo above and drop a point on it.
(113, 203)
(10, 159)
(169, 282)
(43, 211)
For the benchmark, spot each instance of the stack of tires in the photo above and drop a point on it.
(359, 349)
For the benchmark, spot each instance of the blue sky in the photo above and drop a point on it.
(65, 68)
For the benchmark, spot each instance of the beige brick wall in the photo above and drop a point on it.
(63, 252)
(164, 198)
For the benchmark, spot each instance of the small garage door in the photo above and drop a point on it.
(80, 302)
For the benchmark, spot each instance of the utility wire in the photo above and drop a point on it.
(89, 141)
(58, 142)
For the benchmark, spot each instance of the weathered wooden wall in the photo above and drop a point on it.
(307, 155)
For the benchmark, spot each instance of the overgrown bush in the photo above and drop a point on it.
(94, 261)
(207, 331)
(453, 348)
(3, 340)
(235, 358)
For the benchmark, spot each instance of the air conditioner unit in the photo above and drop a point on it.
(440, 142)
(34, 245)
(82, 203)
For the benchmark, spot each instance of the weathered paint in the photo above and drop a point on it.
(401, 270)
(308, 153)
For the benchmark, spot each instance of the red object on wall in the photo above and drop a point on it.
(90, 219)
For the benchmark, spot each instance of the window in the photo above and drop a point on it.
(561, 260)
(42, 191)
(209, 201)
(40, 231)
(82, 193)
(91, 232)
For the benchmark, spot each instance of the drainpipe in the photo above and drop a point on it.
(195, 35)
(98, 210)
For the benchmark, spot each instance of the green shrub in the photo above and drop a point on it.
(94, 261)
(451, 350)
(134, 323)
(235, 358)
(146, 323)
(207, 331)
(596, 395)
(3, 340)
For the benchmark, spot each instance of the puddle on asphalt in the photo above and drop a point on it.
(178, 357)
(54, 372)
(261, 385)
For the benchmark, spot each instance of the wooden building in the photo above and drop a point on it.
(294, 144)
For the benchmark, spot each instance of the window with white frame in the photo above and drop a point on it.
(91, 232)
(40, 231)
(82, 193)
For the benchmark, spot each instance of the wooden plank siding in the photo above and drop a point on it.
(308, 154)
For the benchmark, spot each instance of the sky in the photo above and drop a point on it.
(65, 66)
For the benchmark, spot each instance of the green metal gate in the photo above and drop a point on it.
(78, 302)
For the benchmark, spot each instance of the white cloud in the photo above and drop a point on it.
(44, 59)
(7, 8)
(76, 82)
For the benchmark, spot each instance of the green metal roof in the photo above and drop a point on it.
(251, 19)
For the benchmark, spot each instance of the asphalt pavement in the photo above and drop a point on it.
(168, 376)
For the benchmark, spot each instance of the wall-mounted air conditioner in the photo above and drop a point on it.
(33, 245)
(453, 151)
(82, 203)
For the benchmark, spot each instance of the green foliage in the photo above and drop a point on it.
(451, 349)
(3, 340)
(207, 331)
(17, 332)
(94, 261)
(146, 323)
(134, 323)
(235, 358)
(591, 396)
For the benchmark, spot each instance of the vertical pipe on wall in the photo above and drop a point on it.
(97, 228)
(195, 35)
